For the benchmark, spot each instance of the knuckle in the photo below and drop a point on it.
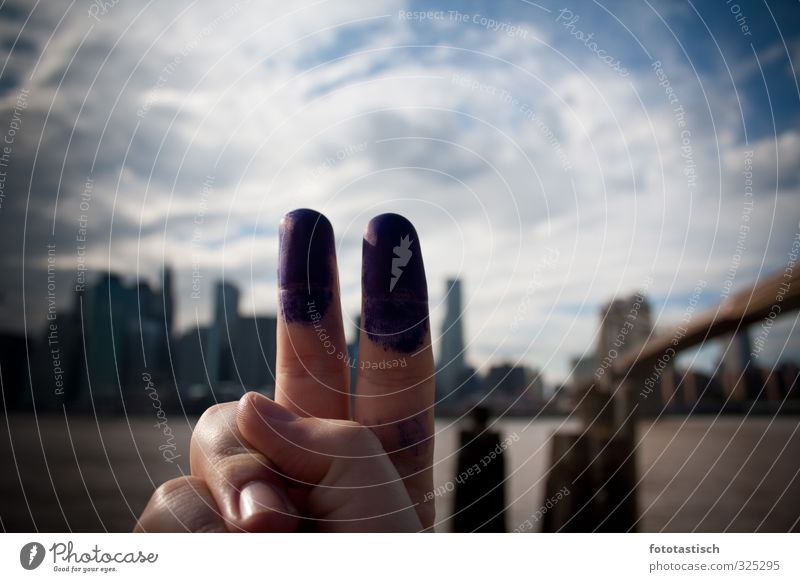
(214, 435)
(172, 491)
(179, 505)
(212, 413)
(356, 437)
(311, 363)
(239, 467)
(396, 380)
(247, 401)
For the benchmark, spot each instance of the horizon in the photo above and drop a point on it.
(705, 359)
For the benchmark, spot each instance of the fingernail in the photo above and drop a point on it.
(270, 409)
(394, 290)
(307, 265)
(259, 497)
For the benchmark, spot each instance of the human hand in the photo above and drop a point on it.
(298, 462)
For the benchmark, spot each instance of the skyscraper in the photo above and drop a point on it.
(254, 352)
(514, 388)
(166, 311)
(352, 357)
(582, 369)
(625, 324)
(451, 365)
(191, 350)
(125, 336)
(108, 308)
(168, 299)
(740, 379)
(13, 360)
(224, 328)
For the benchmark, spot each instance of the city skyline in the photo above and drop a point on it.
(234, 352)
(779, 336)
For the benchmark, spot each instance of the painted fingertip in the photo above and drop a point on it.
(394, 289)
(307, 265)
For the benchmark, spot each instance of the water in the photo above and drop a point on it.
(701, 473)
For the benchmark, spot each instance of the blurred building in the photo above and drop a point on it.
(118, 333)
(352, 358)
(470, 391)
(232, 355)
(224, 327)
(625, 324)
(168, 300)
(740, 379)
(781, 385)
(703, 390)
(451, 363)
(146, 338)
(583, 369)
(190, 354)
(254, 352)
(788, 374)
(108, 307)
(13, 372)
(515, 389)
(471, 386)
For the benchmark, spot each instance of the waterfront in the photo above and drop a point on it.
(700, 473)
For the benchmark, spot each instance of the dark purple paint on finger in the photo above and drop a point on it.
(414, 435)
(307, 265)
(394, 289)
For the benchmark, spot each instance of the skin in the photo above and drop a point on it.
(305, 462)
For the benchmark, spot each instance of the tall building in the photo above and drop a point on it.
(583, 369)
(225, 327)
(788, 374)
(168, 300)
(514, 388)
(56, 364)
(625, 324)
(233, 354)
(146, 339)
(451, 365)
(352, 359)
(191, 351)
(167, 310)
(13, 369)
(703, 392)
(108, 308)
(254, 352)
(740, 378)
(125, 333)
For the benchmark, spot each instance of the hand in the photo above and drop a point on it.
(298, 462)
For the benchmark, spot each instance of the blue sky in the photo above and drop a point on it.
(497, 128)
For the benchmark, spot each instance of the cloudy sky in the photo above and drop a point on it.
(552, 155)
